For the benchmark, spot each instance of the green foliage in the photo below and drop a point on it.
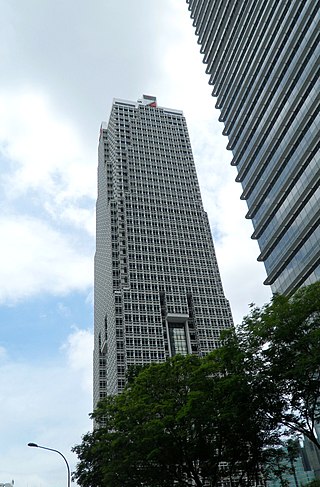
(282, 342)
(223, 416)
(313, 483)
(186, 419)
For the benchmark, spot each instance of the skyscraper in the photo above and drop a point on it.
(263, 60)
(158, 290)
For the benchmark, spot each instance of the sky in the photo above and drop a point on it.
(62, 63)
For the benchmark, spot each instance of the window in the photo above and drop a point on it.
(178, 340)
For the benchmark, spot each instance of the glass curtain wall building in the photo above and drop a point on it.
(263, 60)
(158, 290)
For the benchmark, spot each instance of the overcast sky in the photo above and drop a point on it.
(61, 63)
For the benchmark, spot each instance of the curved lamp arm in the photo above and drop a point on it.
(57, 451)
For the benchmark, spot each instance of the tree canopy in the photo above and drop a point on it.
(178, 421)
(223, 416)
(282, 345)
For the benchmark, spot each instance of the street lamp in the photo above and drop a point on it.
(57, 451)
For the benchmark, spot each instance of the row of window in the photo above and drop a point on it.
(146, 354)
(143, 342)
(151, 329)
(204, 297)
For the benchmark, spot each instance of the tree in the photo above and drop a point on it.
(313, 483)
(282, 346)
(223, 417)
(292, 454)
(180, 421)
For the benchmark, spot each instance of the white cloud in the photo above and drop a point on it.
(79, 348)
(242, 275)
(237, 253)
(49, 174)
(45, 157)
(43, 404)
(39, 144)
(35, 258)
(82, 218)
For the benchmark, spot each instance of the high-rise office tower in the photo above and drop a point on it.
(263, 60)
(158, 290)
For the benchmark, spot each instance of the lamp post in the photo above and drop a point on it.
(57, 451)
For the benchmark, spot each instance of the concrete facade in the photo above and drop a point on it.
(158, 289)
